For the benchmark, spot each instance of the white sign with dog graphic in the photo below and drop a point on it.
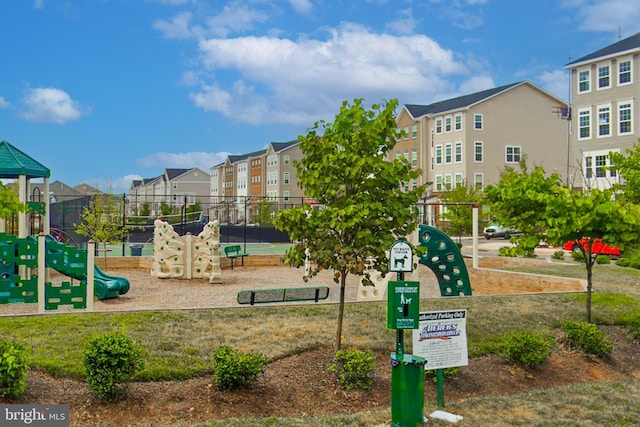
(400, 257)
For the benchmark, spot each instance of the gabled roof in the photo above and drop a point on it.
(15, 163)
(626, 45)
(174, 173)
(464, 101)
(87, 189)
(280, 146)
(241, 157)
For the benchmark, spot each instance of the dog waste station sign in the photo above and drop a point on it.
(403, 312)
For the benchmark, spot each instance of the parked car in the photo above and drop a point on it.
(598, 247)
(493, 231)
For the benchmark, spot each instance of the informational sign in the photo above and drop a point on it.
(400, 257)
(403, 305)
(442, 339)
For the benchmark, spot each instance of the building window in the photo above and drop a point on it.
(286, 178)
(447, 181)
(477, 121)
(438, 154)
(601, 165)
(285, 195)
(287, 159)
(438, 182)
(584, 124)
(584, 81)
(624, 118)
(414, 158)
(414, 183)
(604, 78)
(458, 152)
(624, 72)
(604, 121)
(588, 167)
(478, 151)
(457, 125)
(406, 132)
(414, 131)
(513, 154)
(438, 125)
(458, 179)
(447, 124)
(478, 181)
(448, 152)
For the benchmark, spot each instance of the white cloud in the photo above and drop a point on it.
(608, 15)
(555, 82)
(38, 4)
(301, 6)
(279, 78)
(4, 103)
(476, 84)
(177, 28)
(50, 105)
(235, 18)
(201, 160)
(405, 23)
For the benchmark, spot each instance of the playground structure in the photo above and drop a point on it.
(440, 255)
(22, 254)
(188, 256)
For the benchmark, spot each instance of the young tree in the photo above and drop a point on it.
(544, 209)
(361, 207)
(10, 202)
(102, 221)
(628, 167)
(458, 210)
(518, 201)
(596, 214)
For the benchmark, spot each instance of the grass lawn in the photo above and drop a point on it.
(178, 344)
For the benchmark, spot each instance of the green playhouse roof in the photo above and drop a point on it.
(14, 163)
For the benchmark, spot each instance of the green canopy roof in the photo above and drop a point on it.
(14, 163)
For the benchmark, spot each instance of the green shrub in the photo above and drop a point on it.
(588, 338)
(110, 361)
(355, 368)
(634, 328)
(630, 259)
(234, 369)
(603, 259)
(577, 255)
(13, 369)
(558, 255)
(525, 348)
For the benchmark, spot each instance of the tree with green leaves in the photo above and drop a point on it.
(458, 210)
(590, 216)
(102, 220)
(545, 209)
(361, 209)
(627, 166)
(10, 202)
(518, 201)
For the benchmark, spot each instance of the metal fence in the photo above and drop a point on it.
(242, 219)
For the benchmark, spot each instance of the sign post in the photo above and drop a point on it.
(403, 312)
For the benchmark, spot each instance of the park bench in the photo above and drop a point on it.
(235, 251)
(260, 296)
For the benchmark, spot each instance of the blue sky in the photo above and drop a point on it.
(106, 91)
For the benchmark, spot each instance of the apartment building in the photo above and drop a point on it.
(604, 95)
(175, 187)
(472, 138)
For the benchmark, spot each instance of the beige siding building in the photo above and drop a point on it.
(605, 93)
(471, 139)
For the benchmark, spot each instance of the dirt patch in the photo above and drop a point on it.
(301, 385)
